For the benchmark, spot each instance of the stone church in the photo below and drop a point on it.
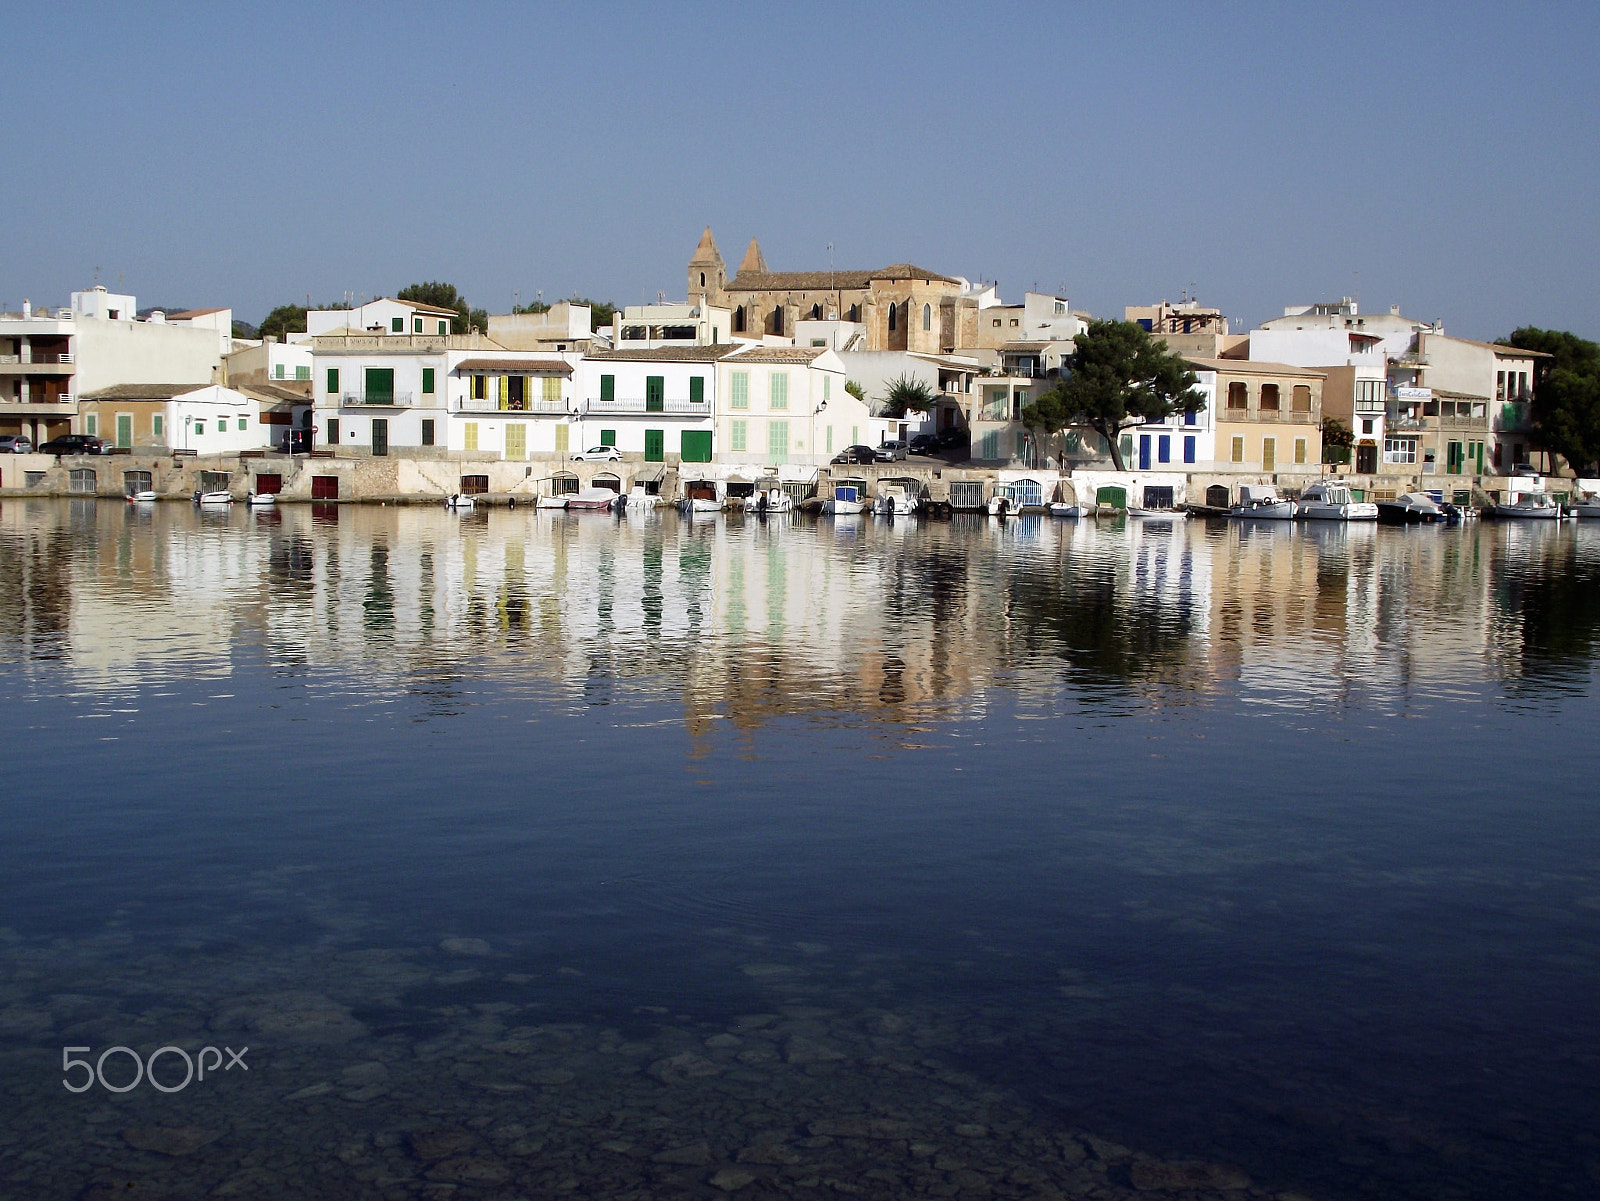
(900, 307)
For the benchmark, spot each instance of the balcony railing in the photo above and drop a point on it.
(391, 400)
(491, 404)
(1409, 359)
(639, 404)
(1286, 416)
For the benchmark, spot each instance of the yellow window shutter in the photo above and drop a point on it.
(505, 391)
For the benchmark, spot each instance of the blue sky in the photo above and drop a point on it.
(1443, 158)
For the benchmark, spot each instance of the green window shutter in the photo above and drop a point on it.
(608, 437)
(697, 389)
(608, 387)
(333, 381)
(444, 328)
(696, 446)
(778, 440)
(655, 393)
(427, 381)
(416, 325)
(655, 446)
(302, 372)
(780, 390)
(827, 387)
(380, 386)
(157, 425)
(737, 432)
(739, 393)
(397, 325)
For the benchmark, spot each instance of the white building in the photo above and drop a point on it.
(206, 420)
(659, 404)
(383, 316)
(647, 326)
(788, 405)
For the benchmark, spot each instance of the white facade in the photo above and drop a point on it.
(785, 405)
(215, 420)
(647, 326)
(103, 305)
(1184, 442)
(383, 316)
(658, 405)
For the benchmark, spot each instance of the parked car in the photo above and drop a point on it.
(892, 449)
(598, 454)
(953, 437)
(856, 454)
(923, 444)
(15, 444)
(73, 444)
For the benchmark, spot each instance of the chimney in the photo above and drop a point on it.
(27, 309)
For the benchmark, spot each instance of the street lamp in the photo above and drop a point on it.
(812, 433)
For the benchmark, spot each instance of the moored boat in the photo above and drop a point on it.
(1334, 502)
(1162, 514)
(1530, 506)
(1061, 508)
(145, 494)
(592, 500)
(895, 500)
(1414, 508)
(640, 500)
(769, 500)
(849, 499)
(1262, 503)
(1004, 502)
(213, 498)
(259, 499)
(1586, 507)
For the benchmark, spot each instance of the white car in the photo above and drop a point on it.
(598, 454)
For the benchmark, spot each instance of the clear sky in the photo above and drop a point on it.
(1440, 157)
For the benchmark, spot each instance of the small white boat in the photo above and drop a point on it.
(213, 498)
(1586, 507)
(1262, 503)
(769, 500)
(141, 496)
(458, 500)
(895, 500)
(1529, 506)
(559, 501)
(847, 500)
(1334, 502)
(592, 500)
(1004, 502)
(258, 499)
(1158, 514)
(1061, 508)
(639, 500)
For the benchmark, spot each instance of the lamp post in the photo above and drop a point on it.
(812, 433)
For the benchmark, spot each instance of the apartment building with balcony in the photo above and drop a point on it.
(1267, 417)
(658, 404)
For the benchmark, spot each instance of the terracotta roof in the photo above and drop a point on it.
(780, 354)
(666, 354)
(419, 306)
(824, 281)
(1251, 367)
(515, 365)
(188, 313)
(1026, 347)
(1446, 394)
(274, 393)
(1510, 352)
(142, 391)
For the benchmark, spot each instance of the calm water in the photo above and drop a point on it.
(533, 855)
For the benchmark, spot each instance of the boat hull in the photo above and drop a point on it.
(1058, 509)
(845, 508)
(214, 498)
(552, 502)
(1282, 510)
(1158, 514)
(140, 497)
(1394, 513)
(1359, 510)
(1527, 512)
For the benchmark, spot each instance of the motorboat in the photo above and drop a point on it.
(1529, 506)
(1335, 502)
(259, 499)
(769, 500)
(1262, 503)
(140, 496)
(556, 501)
(1004, 502)
(1061, 508)
(639, 500)
(1586, 507)
(895, 500)
(213, 498)
(848, 500)
(458, 500)
(592, 500)
(1161, 514)
(1414, 508)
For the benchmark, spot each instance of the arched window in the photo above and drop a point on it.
(855, 312)
(777, 320)
(702, 279)
(816, 312)
(738, 320)
(927, 316)
(892, 315)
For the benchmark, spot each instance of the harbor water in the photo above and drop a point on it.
(535, 854)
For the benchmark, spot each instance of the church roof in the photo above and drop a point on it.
(823, 281)
(707, 251)
(753, 263)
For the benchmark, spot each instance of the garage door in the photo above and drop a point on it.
(324, 487)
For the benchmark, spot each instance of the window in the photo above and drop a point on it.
(480, 387)
(199, 429)
(819, 342)
(778, 394)
(1238, 449)
(997, 323)
(989, 445)
(855, 313)
(1499, 385)
(702, 279)
(827, 387)
(1269, 398)
(303, 372)
(608, 437)
(91, 424)
(830, 440)
(333, 381)
(158, 426)
(738, 431)
(1188, 448)
(380, 386)
(277, 371)
(608, 387)
(1299, 450)
(1366, 425)
(1399, 450)
(697, 389)
(81, 480)
(333, 431)
(397, 325)
(427, 431)
(469, 435)
(1302, 398)
(243, 422)
(1238, 397)
(893, 308)
(738, 320)
(739, 392)
(444, 328)
(427, 381)
(1269, 454)
(551, 389)
(1164, 448)
(927, 316)
(778, 440)
(416, 325)
(855, 435)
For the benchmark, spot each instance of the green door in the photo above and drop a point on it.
(655, 446)
(380, 386)
(124, 429)
(696, 446)
(655, 394)
(697, 389)
(1453, 458)
(1112, 495)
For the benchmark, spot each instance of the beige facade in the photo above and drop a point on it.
(1268, 416)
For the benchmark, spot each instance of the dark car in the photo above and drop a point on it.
(856, 454)
(924, 444)
(953, 437)
(73, 444)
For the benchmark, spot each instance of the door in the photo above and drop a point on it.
(1453, 458)
(1269, 454)
(696, 446)
(516, 440)
(324, 487)
(333, 431)
(655, 394)
(269, 485)
(1367, 458)
(562, 433)
(655, 446)
(1144, 452)
(124, 429)
(380, 436)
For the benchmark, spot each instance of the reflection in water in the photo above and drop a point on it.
(540, 853)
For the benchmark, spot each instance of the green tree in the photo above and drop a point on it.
(1566, 395)
(444, 296)
(1118, 377)
(1337, 439)
(285, 319)
(907, 395)
(855, 389)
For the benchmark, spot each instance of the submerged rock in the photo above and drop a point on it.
(464, 946)
(169, 1140)
(684, 1066)
(1175, 1177)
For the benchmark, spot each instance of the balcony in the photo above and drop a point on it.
(37, 363)
(1398, 417)
(384, 400)
(491, 404)
(1410, 359)
(1277, 416)
(640, 404)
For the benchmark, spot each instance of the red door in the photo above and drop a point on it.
(324, 487)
